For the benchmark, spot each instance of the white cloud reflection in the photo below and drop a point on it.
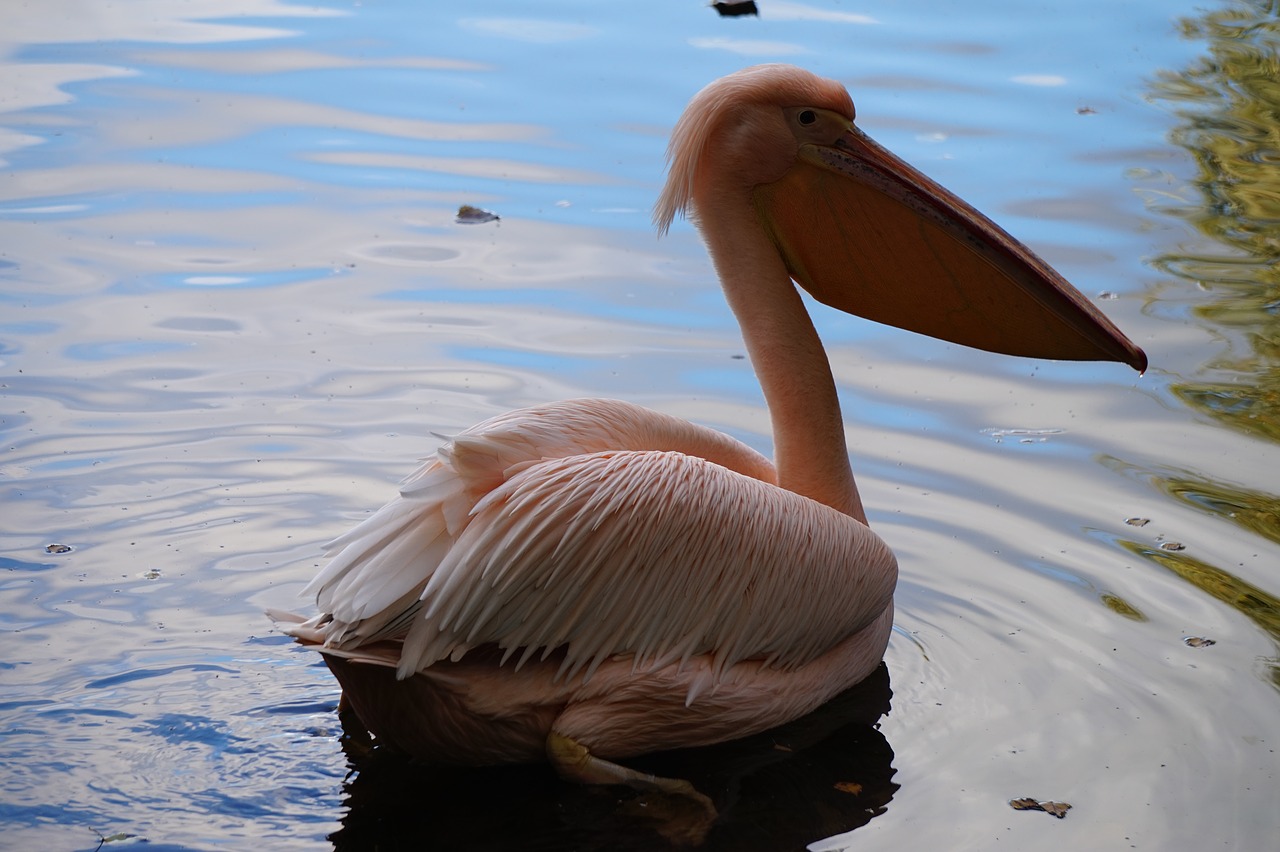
(776, 11)
(1040, 79)
(748, 47)
(27, 85)
(528, 29)
(190, 22)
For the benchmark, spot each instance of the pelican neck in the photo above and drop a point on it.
(790, 362)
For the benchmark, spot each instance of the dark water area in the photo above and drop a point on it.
(825, 774)
(235, 308)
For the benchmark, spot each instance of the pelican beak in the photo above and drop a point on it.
(868, 234)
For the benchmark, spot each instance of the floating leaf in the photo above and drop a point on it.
(1137, 522)
(851, 787)
(1198, 641)
(1058, 809)
(57, 548)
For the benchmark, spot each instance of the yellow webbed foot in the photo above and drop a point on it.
(679, 812)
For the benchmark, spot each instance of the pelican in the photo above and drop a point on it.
(589, 580)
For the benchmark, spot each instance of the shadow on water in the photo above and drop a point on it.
(827, 773)
(1228, 104)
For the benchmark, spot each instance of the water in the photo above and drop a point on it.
(235, 308)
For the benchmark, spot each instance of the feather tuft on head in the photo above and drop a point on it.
(760, 85)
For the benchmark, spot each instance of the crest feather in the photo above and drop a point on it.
(779, 85)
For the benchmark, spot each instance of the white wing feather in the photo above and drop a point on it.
(656, 554)
(371, 586)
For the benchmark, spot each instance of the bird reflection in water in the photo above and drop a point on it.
(824, 774)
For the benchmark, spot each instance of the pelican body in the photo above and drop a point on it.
(589, 580)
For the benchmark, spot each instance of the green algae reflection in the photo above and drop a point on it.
(1228, 106)
(1228, 103)
(1255, 511)
(1260, 606)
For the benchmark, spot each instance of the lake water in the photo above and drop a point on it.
(235, 308)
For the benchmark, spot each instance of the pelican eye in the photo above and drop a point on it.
(807, 117)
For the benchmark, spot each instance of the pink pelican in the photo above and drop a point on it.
(589, 580)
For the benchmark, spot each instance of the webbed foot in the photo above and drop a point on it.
(680, 813)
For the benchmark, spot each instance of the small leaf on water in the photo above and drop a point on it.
(851, 787)
(1198, 641)
(1137, 522)
(57, 548)
(1058, 809)
(468, 215)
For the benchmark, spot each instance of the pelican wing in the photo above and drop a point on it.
(655, 554)
(371, 588)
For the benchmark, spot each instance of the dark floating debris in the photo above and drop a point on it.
(57, 548)
(468, 215)
(1174, 546)
(1198, 641)
(1137, 522)
(1058, 809)
(736, 8)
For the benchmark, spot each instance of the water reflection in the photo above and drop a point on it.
(1229, 104)
(1228, 101)
(827, 773)
(1260, 606)
(1256, 511)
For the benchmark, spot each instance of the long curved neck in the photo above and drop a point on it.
(788, 357)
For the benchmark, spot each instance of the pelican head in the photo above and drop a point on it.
(865, 232)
